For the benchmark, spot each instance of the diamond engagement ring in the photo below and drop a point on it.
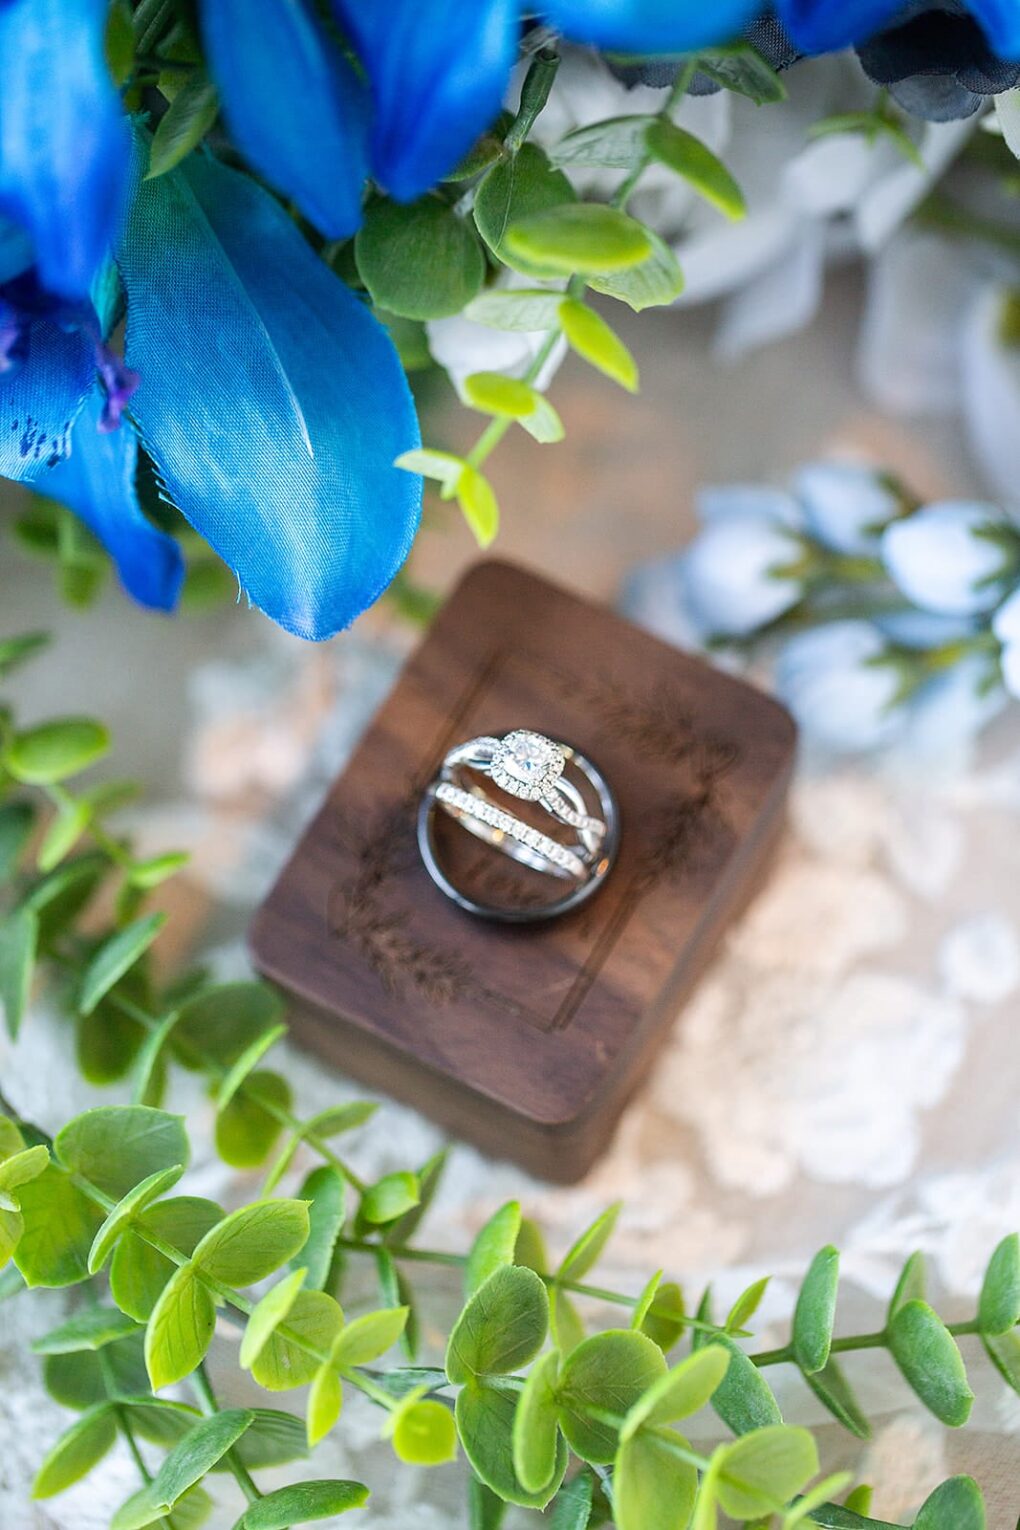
(530, 767)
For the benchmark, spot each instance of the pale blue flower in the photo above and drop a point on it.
(735, 575)
(951, 709)
(839, 686)
(1006, 626)
(911, 628)
(949, 557)
(846, 505)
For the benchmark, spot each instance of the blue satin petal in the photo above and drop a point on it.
(97, 482)
(15, 250)
(41, 397)
(824, 26)
(271, 401)
(649, 26)
(438, 73)
(293, 104)
(1000, 20)
(64, 144)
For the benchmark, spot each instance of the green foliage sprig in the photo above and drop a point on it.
(548, 1415)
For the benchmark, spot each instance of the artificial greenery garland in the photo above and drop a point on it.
(547, 1415)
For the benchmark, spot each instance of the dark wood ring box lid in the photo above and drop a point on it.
(527, 1040)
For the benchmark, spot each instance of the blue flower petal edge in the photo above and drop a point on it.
(97, 482)
(272, 402)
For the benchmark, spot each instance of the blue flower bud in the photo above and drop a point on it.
(950, 557)
(735, 575)
(837, 686)
(846, 505)
(1006, 626)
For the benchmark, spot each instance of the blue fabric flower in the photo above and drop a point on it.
(272, 402)
(735, 574)
(846, 505)
(64, 143)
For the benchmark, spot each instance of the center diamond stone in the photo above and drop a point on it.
(526, 764)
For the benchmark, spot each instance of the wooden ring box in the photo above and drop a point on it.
(526, 1039)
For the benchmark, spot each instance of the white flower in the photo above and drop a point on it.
(830, 680)
(461, 346)
(845, 504)
(731, 574)
(943, 559)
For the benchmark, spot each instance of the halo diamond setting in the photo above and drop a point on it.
(526, 764)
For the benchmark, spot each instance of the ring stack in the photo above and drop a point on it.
(530, 767)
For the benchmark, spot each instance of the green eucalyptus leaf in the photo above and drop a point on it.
(814, 1498)
(126, 1209)
(368, 1337)
(117, 1146)
(63, 832)
(529, 309)
(652, 1488)
(955, 1505)
(185, 123)
(930, 1360)
(92, 1329)
(579, 236)
(815, 1312)
(665, 1320)
(610, 1371)
(618, 143)
(222, 1021)
(79, 1449)
(19, 936)
(493, 1246)
(429, 1178)
(157, 869)
(115, 957)
(315, 1320)
(585, 1253)
(831, 1387)
(642, 1306)
(107, 1044)
(60, 896)
(478, 504)
(911, 1286)
(60, 1223)
(565, 1321)
(389, 1198)
(253, 1241)
(493, 393)
(591, 337)
(19, 1168)
(81, 1379)
(655, 282)
(425, 1434)
(999, 1306)
(759, 1473)
(536, 1424)
(325, 1401)
(396, 1292)
(191, 1510)
(55, 750)
(338, 1118)
(158, 1419)
(518, 187)
(443, 467)
(571, 1508)
(139, 1272)
(249, 1058)
(247, 1129)
(17, 823)
(303, 1502)
(684, 1390)
(180, 1329)
(502, 1327)
(530, 1249)
(15, 651)
(1004, 1352)
(740, 67)
(679, 150)
(746, 1305)
(201, 1449)
(325, 1192)
(272, 1439)
(267, 1316)
(419, 260)
(485, 1412)
(744, 1399)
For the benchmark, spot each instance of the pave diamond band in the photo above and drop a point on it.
(472, 805)
(548, 776)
